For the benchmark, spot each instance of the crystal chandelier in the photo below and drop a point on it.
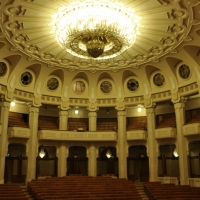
(98, 30)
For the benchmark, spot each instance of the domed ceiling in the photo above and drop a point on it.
(167, 36)
(163, 25)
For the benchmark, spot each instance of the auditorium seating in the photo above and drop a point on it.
(16, 120)
(167, 120)
(107, 124)
(11, 192)
(83, 188)
(47, 123)
(158, 191)
(77, 123)
(136, 123)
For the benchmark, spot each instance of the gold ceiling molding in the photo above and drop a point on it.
(164, 25)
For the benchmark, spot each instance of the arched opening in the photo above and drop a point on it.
(194, 159)
(138, 164)
(107, 162)
(77, 162)
(168, 161)
(46, 164)
(15, 164)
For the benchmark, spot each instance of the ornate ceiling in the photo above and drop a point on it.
(163, 63)
(164, 25)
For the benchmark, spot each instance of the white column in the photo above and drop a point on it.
(62, 157)
(92, 120)
(181, 141)
(92, 165)
(32, 143)
(3, 138)
(152, 152)
(122, 144)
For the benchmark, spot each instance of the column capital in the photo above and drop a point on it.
(92, 114)
(92, 107)
(121, 113)
(63, 113)
(181, 103)
(33, 109)
(120, 106)
(5, 104)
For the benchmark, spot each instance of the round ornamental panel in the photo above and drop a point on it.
(26, 78)
(184, 71)
(3, 69)
(159, 79)
(106, 87)
(79, 87)
(132, 85)
(52, 84)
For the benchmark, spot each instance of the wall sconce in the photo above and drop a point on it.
(175, 153)
(139, 108)
(108, 154)
(12, 103)
(42, 153)
(76, 111)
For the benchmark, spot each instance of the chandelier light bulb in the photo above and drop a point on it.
(95, 30)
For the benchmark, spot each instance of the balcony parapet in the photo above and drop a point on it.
(136, 135)
(163, 133)
(191, 129)
(18, 132)
(77, 136)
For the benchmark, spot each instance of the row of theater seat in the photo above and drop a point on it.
(158, 191)
(83, 188)
(11, 192)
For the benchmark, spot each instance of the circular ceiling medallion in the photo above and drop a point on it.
(132, 85)
(163, 25)
(184, 71)
(26, 78)
(106, 87)
(79, 87)
(3, 69)
(159, 79)
(52, 84)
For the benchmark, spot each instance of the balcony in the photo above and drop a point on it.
(77, 136)
(136, 135)
(164, 133)
(191, 129)
(18, 132)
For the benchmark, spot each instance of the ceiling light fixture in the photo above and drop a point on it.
(95, 29)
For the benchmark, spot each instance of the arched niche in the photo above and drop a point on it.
(104, 75)
(168, 161)
(194, 159)
(107, 161)
(193, 52)
(46, 164)
(77, 161)
(138, 163)
(13, 60)
(82, 75)
(15, 164)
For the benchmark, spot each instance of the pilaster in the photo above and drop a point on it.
(152, 151)
(33, 142)
(122, 144)
(4, 106)
(181, 141)
(62, 158)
